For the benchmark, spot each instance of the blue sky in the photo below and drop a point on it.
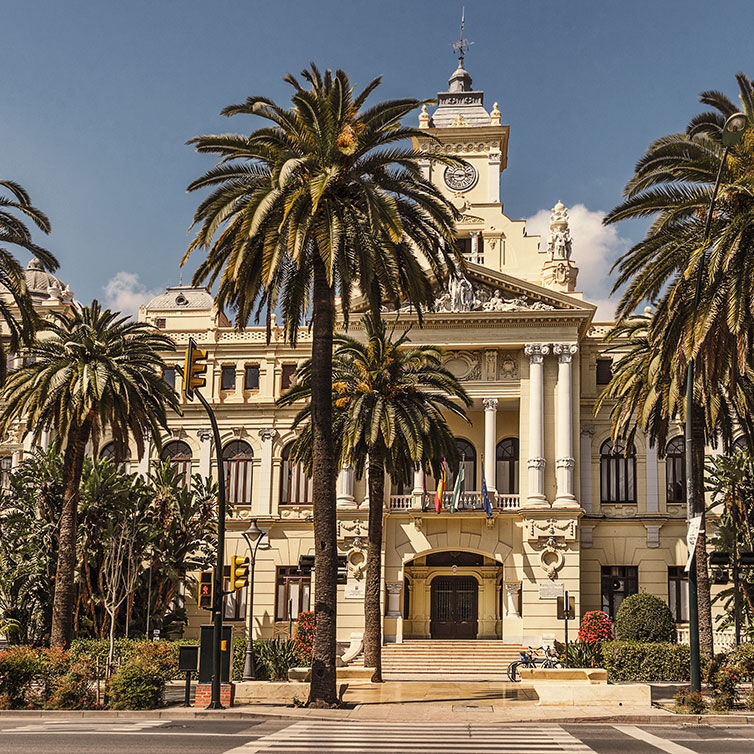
(98, 99)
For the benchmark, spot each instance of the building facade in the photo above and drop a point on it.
(571, 511)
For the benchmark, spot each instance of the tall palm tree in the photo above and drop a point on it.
(673, 183)
(92, 369)
(325, 200)
(21, 323)
(388, 404)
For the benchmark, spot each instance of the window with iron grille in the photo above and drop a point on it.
(238, 462)
(292, 593)
(618, 582)
(675, 470)
(251, 377)
(678, 593)
(228, 378)
(617, 473)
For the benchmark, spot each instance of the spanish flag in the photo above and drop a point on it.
(440, 488)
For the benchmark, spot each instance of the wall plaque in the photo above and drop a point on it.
(354, 590)
(550, 591)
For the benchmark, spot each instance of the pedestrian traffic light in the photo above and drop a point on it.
(206, 593)
(239, 572)
(194, 369)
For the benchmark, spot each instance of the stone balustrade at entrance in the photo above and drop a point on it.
(471, 500)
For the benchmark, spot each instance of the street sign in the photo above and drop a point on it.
(695, 525)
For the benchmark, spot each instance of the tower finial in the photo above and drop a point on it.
(461, 47)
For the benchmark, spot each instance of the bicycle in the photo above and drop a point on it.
(532, 660)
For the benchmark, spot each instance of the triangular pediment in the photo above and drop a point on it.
(482, 290)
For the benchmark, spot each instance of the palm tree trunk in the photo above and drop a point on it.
(322, 691)
(706, 644)
(373, 585)
(62, 604)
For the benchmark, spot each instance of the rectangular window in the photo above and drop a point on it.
(464, 246)
(6, 466)
(604, 371)
(160, 323)
(618, 582)
(251, 377)
(234, 604)
(678, 593)
(292, 593)
(228, 378)
(287, 376)
(168, 374)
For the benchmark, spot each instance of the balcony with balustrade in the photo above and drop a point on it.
(467, 501)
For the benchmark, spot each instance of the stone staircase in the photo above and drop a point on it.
(448, 660)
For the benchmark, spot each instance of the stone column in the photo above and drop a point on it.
(511, 599)
(587, 436)
(345, 497)
(143, 466)
(653, 493)
(44, 439)
(490, 435)
(564, 460)
(205, 453)
(418, 490)
(265, 472)
(394, 590)
(536, 492)
(15, 459)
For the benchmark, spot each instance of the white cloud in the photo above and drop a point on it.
(126, 293)
(595, 249)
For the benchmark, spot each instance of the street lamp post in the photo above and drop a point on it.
(733, 131)
(253, 536)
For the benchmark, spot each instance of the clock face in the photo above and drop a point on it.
(460, 178)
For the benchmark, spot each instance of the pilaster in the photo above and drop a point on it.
(265, 472)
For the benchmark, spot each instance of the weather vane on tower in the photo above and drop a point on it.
(461, 47)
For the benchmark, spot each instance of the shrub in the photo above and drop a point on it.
(19, 668)
(585, 654)
(648, 661)
(72, 689)
(238, 660)
(304, 637)
(690, 702)
(136, 686)
(644, 617)
(596, 626)
(279, 655)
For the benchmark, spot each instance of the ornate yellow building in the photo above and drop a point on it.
(569, 512)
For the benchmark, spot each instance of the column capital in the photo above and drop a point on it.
(490, 404)
(204, 435)
(565, 351)
(475, 233)
(536, 463)
(536, 351)
(587, 430)
(268, 434)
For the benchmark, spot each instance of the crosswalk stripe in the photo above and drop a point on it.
(376, 737)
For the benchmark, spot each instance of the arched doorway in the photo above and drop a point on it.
(454, 607)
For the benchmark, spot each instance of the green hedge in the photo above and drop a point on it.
(646, 661)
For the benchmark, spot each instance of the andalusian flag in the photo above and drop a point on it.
(440, 488)
(486, 496)
(457, 489)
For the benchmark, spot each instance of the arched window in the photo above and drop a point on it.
(107, 451)
(506, 471)
(467, 459)
(617, 473)
(675, 470)
(237, 463)
(178, 453)
(295, 485)
(739, 444)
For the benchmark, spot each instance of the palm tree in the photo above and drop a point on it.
(21, 323)
(94, 369)
(673, 183)
(326, 200)
(388, 404)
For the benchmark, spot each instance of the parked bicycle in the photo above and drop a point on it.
(541, 657)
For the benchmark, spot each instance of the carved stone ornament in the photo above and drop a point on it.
(565, 351)
(356, 558)
(490, 361)
(536, 352)
(536, 528)
(559, 246)
(303, 512)
(267, 434)
(551, 557)
(508, 366)
(464, 365)
(353, 528)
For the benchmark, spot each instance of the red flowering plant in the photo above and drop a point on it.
(596, 626)
(304, 637)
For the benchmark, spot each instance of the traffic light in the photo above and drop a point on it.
(194, 369)
(306, 564)
(342, 570)
(239, 572)
(206, 592)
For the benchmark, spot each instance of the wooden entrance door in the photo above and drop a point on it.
(454, 607)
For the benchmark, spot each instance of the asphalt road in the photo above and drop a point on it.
(23, 735)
